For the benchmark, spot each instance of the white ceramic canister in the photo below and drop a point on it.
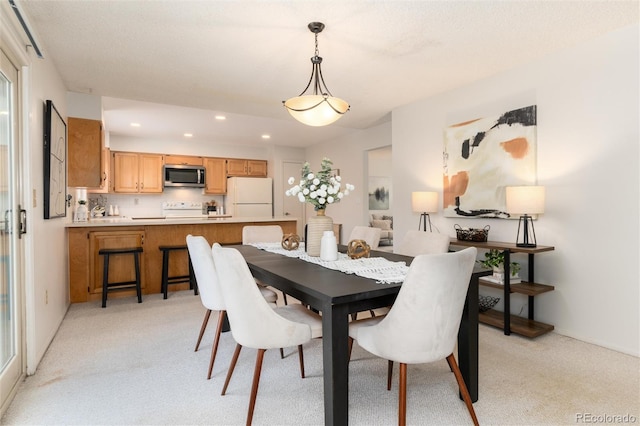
(328, 246)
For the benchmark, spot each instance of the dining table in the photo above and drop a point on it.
(337, 295)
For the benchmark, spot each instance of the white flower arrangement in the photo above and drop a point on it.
(319, 189)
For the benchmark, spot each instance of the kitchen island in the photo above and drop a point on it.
(85, 240)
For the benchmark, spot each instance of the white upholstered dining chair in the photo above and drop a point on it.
(367, 233)
(256, 325)
(264, 234)
(422, 326)
(209, 289)
(420, 242)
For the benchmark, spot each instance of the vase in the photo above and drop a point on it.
(328, 246)
(316, 225)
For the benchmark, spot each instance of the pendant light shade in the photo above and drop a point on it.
(318, 107)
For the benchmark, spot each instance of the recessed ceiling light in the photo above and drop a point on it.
(135, 124)
(266, 136)
(220, 117)
(188, 135)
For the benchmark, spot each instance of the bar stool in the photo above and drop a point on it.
(175, 279)
(121, 285)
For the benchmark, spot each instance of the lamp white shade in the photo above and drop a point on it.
(424, 202)
(525, 199)
(316, 110)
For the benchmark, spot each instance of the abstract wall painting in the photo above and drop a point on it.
(379, 192)
(481, 157)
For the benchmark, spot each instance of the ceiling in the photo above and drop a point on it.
(172, 65)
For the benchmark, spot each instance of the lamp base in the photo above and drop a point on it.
(424, 219)
(527, 245)
(528, 232)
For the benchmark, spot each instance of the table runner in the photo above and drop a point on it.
(376, 268)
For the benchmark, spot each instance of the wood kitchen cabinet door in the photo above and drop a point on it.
(215, 175)
(125, 172)
(85, 145)
(151, 180)
(106, 184)
(121, 267)
(236, 167)
(257, 168)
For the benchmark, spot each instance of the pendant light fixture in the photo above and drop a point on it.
(318, 107)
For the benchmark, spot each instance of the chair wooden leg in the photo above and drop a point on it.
(301, 357)
(463, 387)
(254, 386)
(373, 314)
(284, 298)
(389, 374)
(216, 340)
(281, 353)
(402, 396)
(350, 346)
(234, 359)
(202, 328)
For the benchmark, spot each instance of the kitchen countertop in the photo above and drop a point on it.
(128, 221)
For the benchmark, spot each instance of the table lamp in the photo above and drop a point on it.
(526, 201)
(424, 203)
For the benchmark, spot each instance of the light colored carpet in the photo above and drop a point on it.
(134, 364)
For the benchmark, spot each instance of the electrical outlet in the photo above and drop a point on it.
(135, 201)
(46, 297)
(35, 199)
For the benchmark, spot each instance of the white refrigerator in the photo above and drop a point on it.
(249, 197)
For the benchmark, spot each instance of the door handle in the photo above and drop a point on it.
(22, 221)
(7, 229)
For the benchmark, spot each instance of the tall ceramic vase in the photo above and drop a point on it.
(316, 225)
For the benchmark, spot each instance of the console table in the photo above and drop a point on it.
(528, 327)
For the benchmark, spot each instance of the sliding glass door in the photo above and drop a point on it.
(10, 295)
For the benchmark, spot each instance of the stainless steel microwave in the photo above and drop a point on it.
(184, 175)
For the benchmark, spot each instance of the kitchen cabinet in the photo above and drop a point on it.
(528, 327)
(86, 239)
(185, 160)
(120, 267)
(215, 176)
(137, 172)
(86, 164)
(241, 167)
(106, 184)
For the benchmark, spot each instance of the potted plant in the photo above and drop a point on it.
(494, 259)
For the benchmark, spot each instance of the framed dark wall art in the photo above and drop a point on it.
(55, 163)
(482, 157)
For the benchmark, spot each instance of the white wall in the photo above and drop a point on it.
(587, 139)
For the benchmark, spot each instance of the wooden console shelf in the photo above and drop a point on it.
(519, 325)
(512, 323)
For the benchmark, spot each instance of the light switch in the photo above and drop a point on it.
(35, 200)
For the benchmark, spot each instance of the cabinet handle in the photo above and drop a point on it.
(104, 176)
(142, 186)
